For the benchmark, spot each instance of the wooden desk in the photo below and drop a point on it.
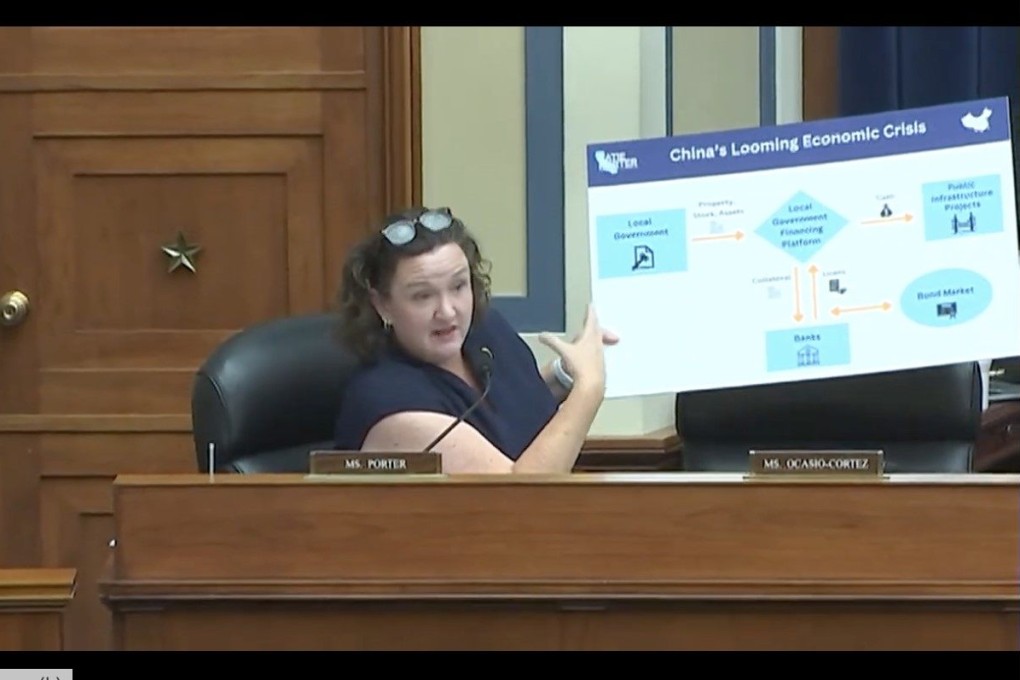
(589, 561)
(32, 605)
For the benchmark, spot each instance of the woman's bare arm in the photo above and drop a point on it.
(466, 451)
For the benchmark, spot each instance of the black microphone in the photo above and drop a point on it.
(485, 365)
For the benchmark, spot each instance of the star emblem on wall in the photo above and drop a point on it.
(181, 253)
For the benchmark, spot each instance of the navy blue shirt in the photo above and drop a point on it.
(518, 406)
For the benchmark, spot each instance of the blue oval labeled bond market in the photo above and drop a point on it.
(946, 297)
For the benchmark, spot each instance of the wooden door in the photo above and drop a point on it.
(270, 149)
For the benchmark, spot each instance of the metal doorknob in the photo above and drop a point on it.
(13, 308)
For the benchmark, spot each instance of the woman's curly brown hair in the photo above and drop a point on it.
(370, 265)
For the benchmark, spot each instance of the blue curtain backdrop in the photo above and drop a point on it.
(884, 68)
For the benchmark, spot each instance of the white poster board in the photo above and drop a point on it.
(804, 251)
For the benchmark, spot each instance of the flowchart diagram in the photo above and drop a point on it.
(811, 250)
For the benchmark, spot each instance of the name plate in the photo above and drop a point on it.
(374, 463)
(803, 463)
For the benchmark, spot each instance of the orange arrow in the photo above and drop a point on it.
(797, 316)
(885, 220)
(814, 290)
(885, 307)
(736, 236)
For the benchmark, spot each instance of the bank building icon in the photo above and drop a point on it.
(807, 356)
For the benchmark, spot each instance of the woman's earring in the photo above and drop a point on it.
(387, 325)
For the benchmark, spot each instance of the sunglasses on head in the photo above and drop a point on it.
(403, 231)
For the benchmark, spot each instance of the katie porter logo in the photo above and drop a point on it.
(613, 162)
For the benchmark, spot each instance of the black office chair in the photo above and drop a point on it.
(269, 395)
(926, 420)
